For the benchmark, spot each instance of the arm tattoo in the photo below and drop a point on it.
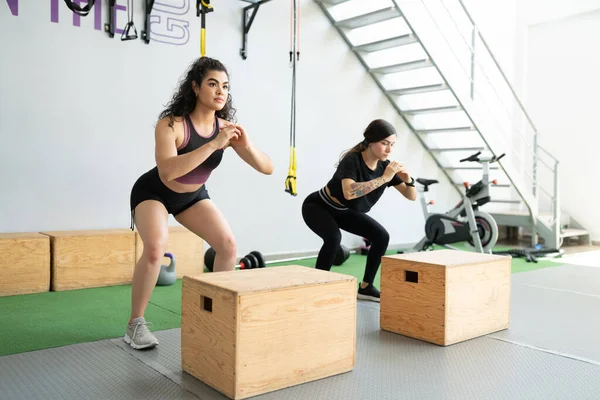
(359, 189)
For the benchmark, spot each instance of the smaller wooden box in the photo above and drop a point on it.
(445, 296)
(25, 263)
(246, 333)
(186, 247)
(91, 258)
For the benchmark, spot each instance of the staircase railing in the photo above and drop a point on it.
(536, 159)
(478, 75)
(553, 166)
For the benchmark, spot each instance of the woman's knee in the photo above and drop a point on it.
(226, 246)
(154, 250)
(381, 238)
(333, 238)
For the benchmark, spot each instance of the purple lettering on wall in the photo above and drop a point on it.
(97, 14)
(167, 29)
(13, 5)
(118, 7)
(181, 9)
(175, 32)
(166, 25)
(54, 11)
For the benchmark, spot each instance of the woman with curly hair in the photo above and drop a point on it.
(190, 137)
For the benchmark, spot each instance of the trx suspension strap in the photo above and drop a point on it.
(127, 34)
(110, 26)
(290, 181)
(203, 7)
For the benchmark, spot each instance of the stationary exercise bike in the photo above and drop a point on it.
(465, 222)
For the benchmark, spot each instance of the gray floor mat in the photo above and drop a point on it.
(391, 366)
(97, 370)
(586, 258)
(549, 352)
(166, 359)
(574, 278)
(564, 322)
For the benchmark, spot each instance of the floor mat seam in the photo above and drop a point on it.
(557, 289)
(153, 366)
(547, 351)
(164, 308)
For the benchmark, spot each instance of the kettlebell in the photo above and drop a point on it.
(167, 275)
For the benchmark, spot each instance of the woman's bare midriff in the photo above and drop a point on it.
(333, 198)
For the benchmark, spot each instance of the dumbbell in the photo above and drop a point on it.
(341, 255)
(251, 260)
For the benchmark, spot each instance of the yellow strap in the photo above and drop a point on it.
(202, 42)
(205, 3)
(290, 181)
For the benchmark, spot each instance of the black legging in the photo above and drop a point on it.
(326, 222)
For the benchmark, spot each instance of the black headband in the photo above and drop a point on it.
(376, 133)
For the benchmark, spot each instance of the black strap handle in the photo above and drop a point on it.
(77, 9)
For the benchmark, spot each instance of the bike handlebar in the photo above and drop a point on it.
(472, 157)
(475, 158)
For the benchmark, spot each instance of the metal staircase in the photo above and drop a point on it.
(430, 61)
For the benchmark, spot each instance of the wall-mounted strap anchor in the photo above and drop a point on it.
(247, 20)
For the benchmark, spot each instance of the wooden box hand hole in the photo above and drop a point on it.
(411, 276)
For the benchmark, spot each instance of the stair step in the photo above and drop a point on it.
(469, 168)
(570, 232)
(332, 2)
(369, 18)
(432, 110)
(407, 66)
(418, 89)
(456, 148)
(396, 41)
(448, 130)
(505, 201)
(501, 185)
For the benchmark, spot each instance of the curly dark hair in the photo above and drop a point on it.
(184, 100)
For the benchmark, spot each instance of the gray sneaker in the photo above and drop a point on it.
(138, 336)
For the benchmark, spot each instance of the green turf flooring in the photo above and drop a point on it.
(45, 320)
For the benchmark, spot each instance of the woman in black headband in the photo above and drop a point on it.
(362, 175)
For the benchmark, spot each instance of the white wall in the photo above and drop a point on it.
(77, 113)
(504, 24)
(497, 22)
(562, 92)
(540, 11)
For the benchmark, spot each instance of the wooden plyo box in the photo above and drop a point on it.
(186, 247)
(246, 333)
(25, 263)
(446, 296)
(91, 258)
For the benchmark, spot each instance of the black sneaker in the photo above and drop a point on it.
(369, 293)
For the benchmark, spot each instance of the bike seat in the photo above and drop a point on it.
(426, 182)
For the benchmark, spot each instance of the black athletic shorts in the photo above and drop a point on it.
(150, 187)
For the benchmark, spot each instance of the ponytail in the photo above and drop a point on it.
(377, 130)
(358, 148)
